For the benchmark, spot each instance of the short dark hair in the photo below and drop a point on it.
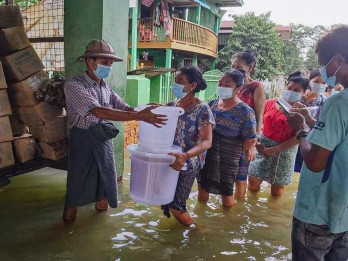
(237, 76)
(299, 73)
(332, 43)
(248, 57)
(304, 82)
(193, 74)
(314, 73)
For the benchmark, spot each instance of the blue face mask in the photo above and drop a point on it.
(331, 81)
(224, 92)
(291, 96)
(317, 87)
(178, 90)
(102, 71)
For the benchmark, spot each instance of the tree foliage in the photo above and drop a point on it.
(275, 56)
(311, 59)
(22, 3)
(299, 51)
(254, 33)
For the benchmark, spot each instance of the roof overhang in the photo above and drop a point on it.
(228, 3)
(218, 3)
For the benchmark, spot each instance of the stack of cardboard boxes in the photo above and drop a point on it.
(6, 154)
(24, 74)
(131, 133)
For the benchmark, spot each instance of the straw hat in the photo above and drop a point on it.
(99, 48)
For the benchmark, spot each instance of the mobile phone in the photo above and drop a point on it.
(284, 104)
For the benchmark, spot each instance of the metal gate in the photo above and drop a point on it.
(44, 24)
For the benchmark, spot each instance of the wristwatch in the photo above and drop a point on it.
(303, 131)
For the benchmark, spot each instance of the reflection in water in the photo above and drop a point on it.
(257, 228)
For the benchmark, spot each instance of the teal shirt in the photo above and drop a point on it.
(322, 198)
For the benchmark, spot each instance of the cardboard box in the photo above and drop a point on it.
(24, 148)
(17, 126)
(21, 65)
(5, 106)
(5, 129)
(6, 155)
(13, 39)
(23, 93)
(52, 131)
(37, 115)
(29, 116)
(3, 84)
(54, 151)
(10, 16)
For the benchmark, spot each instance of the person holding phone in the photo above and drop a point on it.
(320, 218)
(277, 145)
(310, 106)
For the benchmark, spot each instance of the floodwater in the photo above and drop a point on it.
(257, 228)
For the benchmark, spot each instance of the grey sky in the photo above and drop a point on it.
(308, 12)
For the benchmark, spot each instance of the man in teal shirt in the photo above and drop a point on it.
(320, 224)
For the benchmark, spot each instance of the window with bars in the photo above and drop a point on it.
(44, 24)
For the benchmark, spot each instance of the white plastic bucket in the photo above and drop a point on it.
(159, 140)
(152, 181)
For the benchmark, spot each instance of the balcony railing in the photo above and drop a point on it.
(193, 34)
(149, 32)
(183, 33)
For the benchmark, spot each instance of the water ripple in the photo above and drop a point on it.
(129, 211)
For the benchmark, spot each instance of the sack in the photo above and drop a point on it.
(104, 130)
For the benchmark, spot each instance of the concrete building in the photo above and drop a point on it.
(172, 33)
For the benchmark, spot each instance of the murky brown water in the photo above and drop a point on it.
(257, 228)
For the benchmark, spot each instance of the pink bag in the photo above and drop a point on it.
(147, 3)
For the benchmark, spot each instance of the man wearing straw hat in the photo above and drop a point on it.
(91, 106)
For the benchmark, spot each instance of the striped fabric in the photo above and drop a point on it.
(221, 165)
(83, 94)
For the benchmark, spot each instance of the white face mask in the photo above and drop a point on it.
(224, 92)
(334, 92)
(291, 96)
(318, 87)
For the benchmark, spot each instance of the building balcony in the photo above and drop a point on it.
(181, 35)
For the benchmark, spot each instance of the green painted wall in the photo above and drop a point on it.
(85, 20)
(192, 14)
(207, 19)
(160, 60)
(156, 89)
(138, 90)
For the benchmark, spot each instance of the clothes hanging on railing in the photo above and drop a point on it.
(157, 20)
(165, 17)
(147, 3)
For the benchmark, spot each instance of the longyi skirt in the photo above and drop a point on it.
(221, 165)
(277, 170)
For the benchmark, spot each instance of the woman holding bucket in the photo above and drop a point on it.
(234, 133)
(193, 135)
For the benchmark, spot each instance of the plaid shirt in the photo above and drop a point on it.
(83, 94)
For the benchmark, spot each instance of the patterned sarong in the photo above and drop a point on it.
(221, 165)
(277, 170)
